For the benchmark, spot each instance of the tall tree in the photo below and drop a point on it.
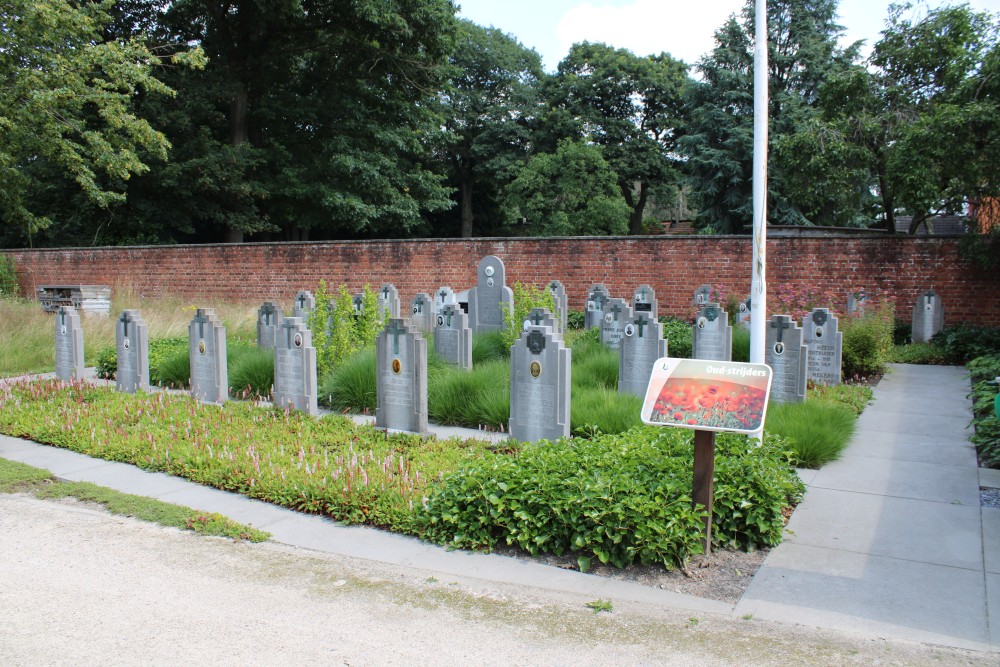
(631, 106)
(488, 109)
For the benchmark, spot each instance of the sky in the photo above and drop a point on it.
(682, 28)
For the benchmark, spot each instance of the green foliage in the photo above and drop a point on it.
(855, 397)
(175, 369)
(489, 345)
(474, 398)
(603, 410)
(526, 297)
(575, 319)
(620, 498)
(960, 343)
(679, 337)
(159, 349)
(338, 330)
(987, 427)
(251, 374)
(8, 278)
(352, 385)
(741, 344)
(818, 431)
(15, 476)
(867, 346)
(594, 365)
(918, 353)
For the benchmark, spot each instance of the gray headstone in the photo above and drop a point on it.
(303, 304)
(641, 346)
(928, 316)
(132, 346)
(295, 367)
(712, 337)
(788, 359)
(597, 301)
(422, 313)
(644, 301)
(269, 317)
(490, 299)
(856, 301)
(616, 313)
(69, 344)
(743, 313)
(702, 296)
(540, 379)
(826, 345)
(541, 317)
(359, 303)
(401, 384)
(207, 349)
(388, 301)
(453, 337)
(444, 296)
(561, 300)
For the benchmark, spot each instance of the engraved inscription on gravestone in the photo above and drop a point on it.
(401, 378)
(132, 347)
(597, 299)
(295, 367)
(540, 380)
(825, 343)
(207, 352)
(641, 346)
(617, 313)
(702, 295)
(928, 317)
(788, 358)
(69, 344)
(421, 312)
(269, 318)
(490, 299)
(303, 304)
(644, 301)
(453, 337)
(712, 337)
(388, 301)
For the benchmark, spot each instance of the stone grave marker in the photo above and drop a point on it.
(421, 312)
(642, 344)
(788, 358)
(743, 313)
(69, 344)
(207, 350)
(453, 337)
(597, 300)
(295, 367)
(401, 378)
(540, 377)
(444, 296)
(928, 316)
(825, 343)
(132, 347)
(616, 313)
(644, 301)
(269, 317)
(712, 337)
(388, 301)
(359, 304)
(541, 317)
(490, 299)
(561, 300)
(304, 304)
(856, 301)
(702, 296)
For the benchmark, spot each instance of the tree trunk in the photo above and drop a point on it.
(888, 201)
(920, 218)
(467, 206)
(638, 207)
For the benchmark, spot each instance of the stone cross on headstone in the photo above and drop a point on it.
(132, 347)
(304, 304)
(421, 312)
(788, 358)
(928, 317)
(269, 318)
(538, 317)
(597, 297)
(644, 301)
(401, 378)
(388, 301)
(825, 343)
(540, 386)
(490, 300)
(617, 313)
(712, 337)
(359, 303)
(453, 337)
(69, 344)
(443, 297)
(295, 368)
(561, 301)
(702, 295)
(641, 346)
(207, 351)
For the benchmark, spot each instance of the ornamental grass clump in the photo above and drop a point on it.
(818, 431)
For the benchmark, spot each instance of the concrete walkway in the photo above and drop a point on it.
(890, 541)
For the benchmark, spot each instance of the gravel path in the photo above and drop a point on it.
(83, 587)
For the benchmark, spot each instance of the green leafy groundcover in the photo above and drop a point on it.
(621, 498)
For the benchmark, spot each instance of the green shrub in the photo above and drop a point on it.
(678, 335)
(818, 431)
(352, 385)
(594, 365)
(603, 410)
(9, 287)
(575, 319)
(107, 363)
(478, 397)
(854, 397)
(174, 369)
(867, 345)
(251, 374)
(487, 346)
(338, 332)
(901, 332)
(986, 427)
(960, 343)
(918, 353)
(526, 297)
(741, 344)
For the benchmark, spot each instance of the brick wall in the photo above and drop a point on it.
(673, 266)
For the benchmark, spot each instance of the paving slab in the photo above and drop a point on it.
(905, 479)
(878, 444)
(923, 424)
(991, 542)
(904, 528)
(256, 513)
(889, 597)
(989, 478)
(993, 605)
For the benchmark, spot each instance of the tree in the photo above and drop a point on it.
(631, 106)
(802, 52)
(488, 107)
(572, 192)
(67, 107)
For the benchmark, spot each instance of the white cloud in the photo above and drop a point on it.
(683, 28)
